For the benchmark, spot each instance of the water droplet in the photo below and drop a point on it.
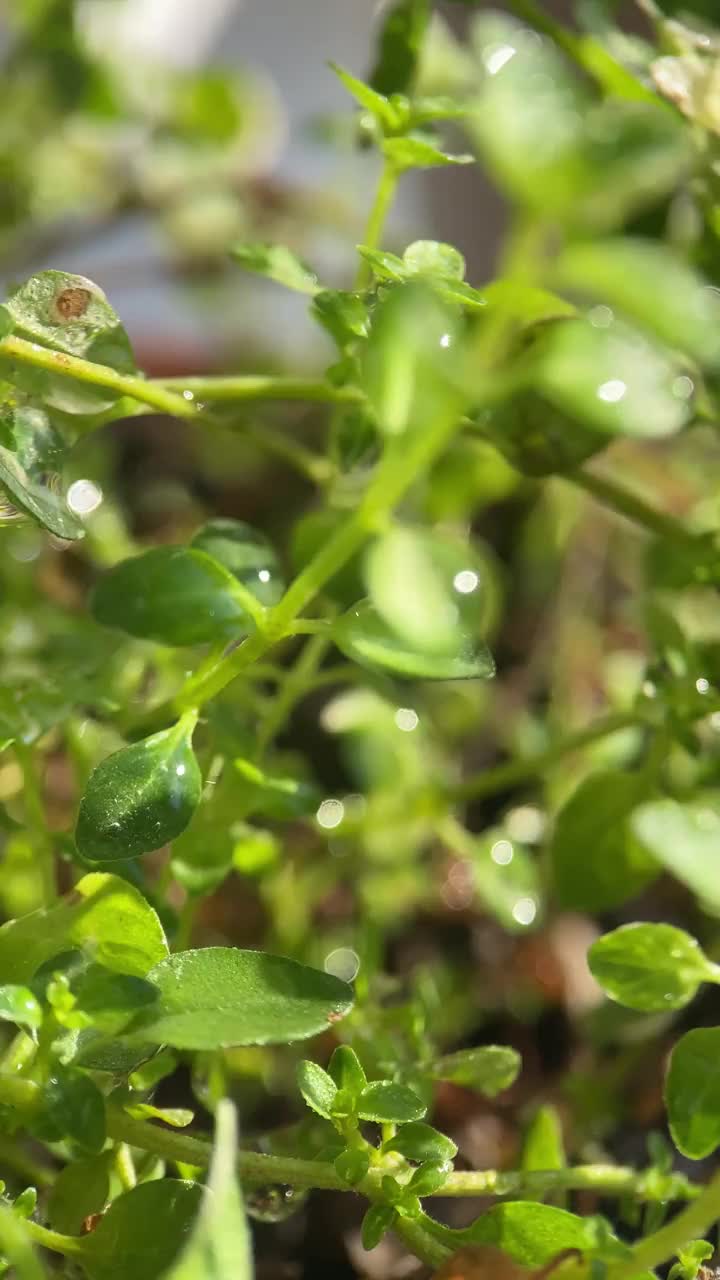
(612, 391)
(683, 387)
(273, 1203)
(496, 56)
(702, 685)
(524, 911)
(188, 395)
(600, 317)
(342, 963)
(330, 814)
(466, 581)
(84, 497)
(502, 853)
(406, 719)
(180, 770)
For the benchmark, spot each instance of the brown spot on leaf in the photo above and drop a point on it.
(89, 1224)
(73, 302)
(335, 1017)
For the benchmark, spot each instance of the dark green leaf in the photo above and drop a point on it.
(651, 967)
(346, 1070)
(596, 861)
(143, 1231)
(220, 996)
(429, 1178)
(174, 595)
(399, 44)
(247, 553)
(75, 1107)
(363, 636)
(317, 1088)
(19, 1005)
(488, 1069)
(352, 1165)
(419, 1141)
(692, 1093)
(386, 1102)
(220, 1247)
(277, 263)
(377, 1221)
(104, 914)
(81, 1188)
(140, 797)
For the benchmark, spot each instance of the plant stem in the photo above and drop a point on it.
(375, 225)
(503, 776)
(70, 1246)
(296, 683)
(606, 1178)
(236, 388)
(124, 1166)
(626, 503)
(420, 1242)
(35, 817)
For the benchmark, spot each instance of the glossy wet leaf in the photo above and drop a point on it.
(31, 454)
(174, 595)
(19, 1005)
(652, 286)
(220, 996)
(377, 1221)
(81, 1188)
(530, 1233)
(613, 379)
(140, 797)
(69, 314)
(386, 1102)
(597, 862)
(343, 315)
(143, 1231)
(363, 636)
(220, 1246)
(682, 836)
(103, 914)
(651, 967)
(346, 1069)
(317, 1088)
(399, 44)
(75, 1107)
(430, 590)
(539, 439)
(246, 552)
(278, 263)
(433, 258)
(488, 1069)
(692, 1093)
(409, 364)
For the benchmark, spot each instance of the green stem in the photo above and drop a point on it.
(504, 776)
(420, 1242)
(70, 1246)
(384, 196)
(236, 388)
(626, 503)
(35, 817)
(611, 1180)
(297, 682)
(124, 1166)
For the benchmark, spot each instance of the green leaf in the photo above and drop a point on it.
(653, 286)
(112, 999)
(433, 258)
(543, 1147)
(419, 1142)
(399, 44)
(16, 1248)
(415, 153)
(317, 1088)
(683, 838)
(375, 103)
(690, 1260)
(75, 1107)
(409, 362)
(428, 1178)
(277, 263)
(174, 595)
(104, 915)
(596, 862)
(692, 1093)
(246, 553)
(18, 1005)
(143, 1231)
(220, 1246)
(346, 1070)
(430, 590)
(651, 967)
(69, 313)
(364, 637)
(31, 454)
(388, 1103)
(220, 996)
(489, 1069)
(532, 1234)
(377, 1221)
(275, 797)
(613, 379)
(140, 797)
(81, 1188)
(343, 315)
(352, 1165)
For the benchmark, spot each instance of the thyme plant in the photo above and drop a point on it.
(159, 681)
